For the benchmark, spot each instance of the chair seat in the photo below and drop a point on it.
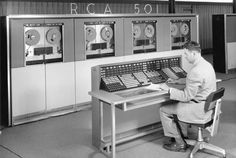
(202, 125)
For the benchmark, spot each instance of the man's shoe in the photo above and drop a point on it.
(175, 147)
(169, 140)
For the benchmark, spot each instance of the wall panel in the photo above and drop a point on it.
(205, 21)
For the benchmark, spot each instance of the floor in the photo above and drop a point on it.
(69, 136)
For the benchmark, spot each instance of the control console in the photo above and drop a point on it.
(123, 76)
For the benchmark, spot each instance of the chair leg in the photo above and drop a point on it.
(197, 146)
(200, 144)
(191, 142)
(214, 148)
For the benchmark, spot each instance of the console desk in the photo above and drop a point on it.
(126, 102)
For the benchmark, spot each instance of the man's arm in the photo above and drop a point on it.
(193, 81)
(178, 81)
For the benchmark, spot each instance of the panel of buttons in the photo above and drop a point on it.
(132, 75)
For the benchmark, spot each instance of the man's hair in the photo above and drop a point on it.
(192, 45)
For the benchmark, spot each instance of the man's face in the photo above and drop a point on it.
(189, 55)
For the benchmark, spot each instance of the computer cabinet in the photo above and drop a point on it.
(42, 67)
(224, 42)
(48, 58)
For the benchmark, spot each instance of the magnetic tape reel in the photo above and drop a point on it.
(184, 29)
(174, 29)
(149, 31)
(53, 36)
(32, 37)
(136, 31)
(90, 34)
(106, 33)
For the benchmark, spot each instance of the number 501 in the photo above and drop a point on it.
(147, 8)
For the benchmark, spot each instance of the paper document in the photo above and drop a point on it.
(155, 87)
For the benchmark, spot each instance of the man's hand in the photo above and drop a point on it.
(164, 87)
(178, 81)
(170, 80)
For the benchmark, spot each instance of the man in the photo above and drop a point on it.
(199, 83)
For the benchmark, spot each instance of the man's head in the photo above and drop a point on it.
(192, 51)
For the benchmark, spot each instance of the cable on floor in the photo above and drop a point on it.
(11, 151)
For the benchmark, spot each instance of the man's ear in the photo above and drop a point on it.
(194, 53)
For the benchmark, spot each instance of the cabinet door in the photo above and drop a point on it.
(28, 90)
(60, 85)
(60, 76)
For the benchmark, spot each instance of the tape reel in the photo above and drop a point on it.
(53, 36)
(174, 29)
(149, 31)
(32, 37)
(136, 31)
(90, 34)
(184, 29)
(106, 33)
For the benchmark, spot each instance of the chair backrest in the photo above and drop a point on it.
(212, 98)
(213, 102)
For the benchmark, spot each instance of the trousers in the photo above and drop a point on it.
(168, 124)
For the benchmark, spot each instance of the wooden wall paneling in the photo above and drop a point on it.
(44, 8)
(121, 8)
(13, 7)
(34, 8)
(21, 7)
(184, 8)
(205, 21)
(4, 7)
(27, 8)
(162, 8)
(62, 8)
(59, 7)
(9, 7)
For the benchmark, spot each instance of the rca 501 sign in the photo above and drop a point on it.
(115, 8)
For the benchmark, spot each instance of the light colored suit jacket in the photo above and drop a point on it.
(200, 82)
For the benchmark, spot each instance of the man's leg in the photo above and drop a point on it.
(170, 128)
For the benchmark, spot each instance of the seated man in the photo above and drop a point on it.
(199, 83)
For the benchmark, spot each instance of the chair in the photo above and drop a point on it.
(213, 102)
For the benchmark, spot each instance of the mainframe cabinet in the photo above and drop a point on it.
(42, 81)
(46, 60)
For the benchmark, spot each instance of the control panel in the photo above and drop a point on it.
(137, 74)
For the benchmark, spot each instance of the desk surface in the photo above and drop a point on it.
(130, 95)
(125, 96)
